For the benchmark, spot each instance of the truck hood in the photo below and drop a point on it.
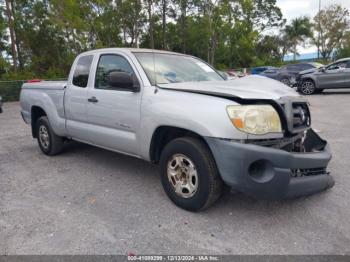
(249, 87)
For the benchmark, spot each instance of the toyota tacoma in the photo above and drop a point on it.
(251, 134)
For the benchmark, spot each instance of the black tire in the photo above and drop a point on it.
(318, 91)
(55, 143)
(307, 87)
(210, 185)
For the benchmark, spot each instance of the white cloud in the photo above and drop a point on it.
(296, 8)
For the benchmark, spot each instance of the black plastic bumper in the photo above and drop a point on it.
(269, 173)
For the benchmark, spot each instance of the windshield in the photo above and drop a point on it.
(168, 68)
(317, 65)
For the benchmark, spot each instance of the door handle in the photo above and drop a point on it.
(93, 100)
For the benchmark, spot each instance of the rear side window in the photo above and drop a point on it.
(82, 70)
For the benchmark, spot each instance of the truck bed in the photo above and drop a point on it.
(49, 96)
(46, 85)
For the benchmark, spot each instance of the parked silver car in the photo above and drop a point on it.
(335, 75)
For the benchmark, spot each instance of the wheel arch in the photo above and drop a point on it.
(36, 113)
(164, 134)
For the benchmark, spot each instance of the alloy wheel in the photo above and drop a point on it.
(307, 88)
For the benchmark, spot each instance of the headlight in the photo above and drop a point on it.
(255, 119)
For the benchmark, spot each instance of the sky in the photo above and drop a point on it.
(295, 8)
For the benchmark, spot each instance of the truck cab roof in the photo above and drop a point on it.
(129, 50)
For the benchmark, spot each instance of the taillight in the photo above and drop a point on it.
(34, 81)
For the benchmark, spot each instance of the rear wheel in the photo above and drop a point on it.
(189, 174)
(307, 87)
(49, 143)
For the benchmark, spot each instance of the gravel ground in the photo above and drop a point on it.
(92, 201)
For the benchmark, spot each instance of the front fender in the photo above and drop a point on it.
(204, 115)
(310, 76)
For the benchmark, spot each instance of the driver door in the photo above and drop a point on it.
(113, 113)
(333, 76)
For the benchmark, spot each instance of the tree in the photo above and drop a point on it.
(164, 14)
(132, 21)
(9, 14)
(151, 22)
(330, 26)
(297, 31)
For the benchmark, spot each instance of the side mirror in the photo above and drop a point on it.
(322, 69)
(122, 80)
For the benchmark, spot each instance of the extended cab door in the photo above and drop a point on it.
(114, 112)
(75, 98)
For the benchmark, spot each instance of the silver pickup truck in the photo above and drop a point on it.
(252, 134)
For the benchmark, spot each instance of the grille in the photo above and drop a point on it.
(309, 172)
(297, 115)
(300, 115)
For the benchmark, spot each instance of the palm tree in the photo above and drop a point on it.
(297, 31)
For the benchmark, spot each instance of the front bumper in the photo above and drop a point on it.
(270, 173)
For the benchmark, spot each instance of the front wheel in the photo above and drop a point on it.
(307, 87)
(189, 174)
(49, 143)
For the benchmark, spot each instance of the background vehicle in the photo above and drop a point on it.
(260, 69)
(225, 75)
(288, 74)
(0, 104)
(335, 75)
(235, 74)
(177, 111)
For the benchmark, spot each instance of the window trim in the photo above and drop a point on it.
(114, 88)
(89, 71)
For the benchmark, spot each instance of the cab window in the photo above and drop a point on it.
(82, 71)
(338, 65)
(108, 64)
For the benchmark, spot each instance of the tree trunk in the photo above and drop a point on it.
(164, 3)
(295, 52)
(150, 18)
(14, 9)
(212, 49)
(183, 6)
(12, 34)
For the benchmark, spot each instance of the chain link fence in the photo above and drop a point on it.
(10, 90)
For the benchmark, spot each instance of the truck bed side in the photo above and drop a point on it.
(48, 97)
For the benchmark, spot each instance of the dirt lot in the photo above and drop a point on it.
(91, 201)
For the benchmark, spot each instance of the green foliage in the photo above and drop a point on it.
(9, 90)
(225, 33)
(331, 26)
(297, 31)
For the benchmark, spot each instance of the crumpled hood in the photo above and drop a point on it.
(249, 87)
(308, 71)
